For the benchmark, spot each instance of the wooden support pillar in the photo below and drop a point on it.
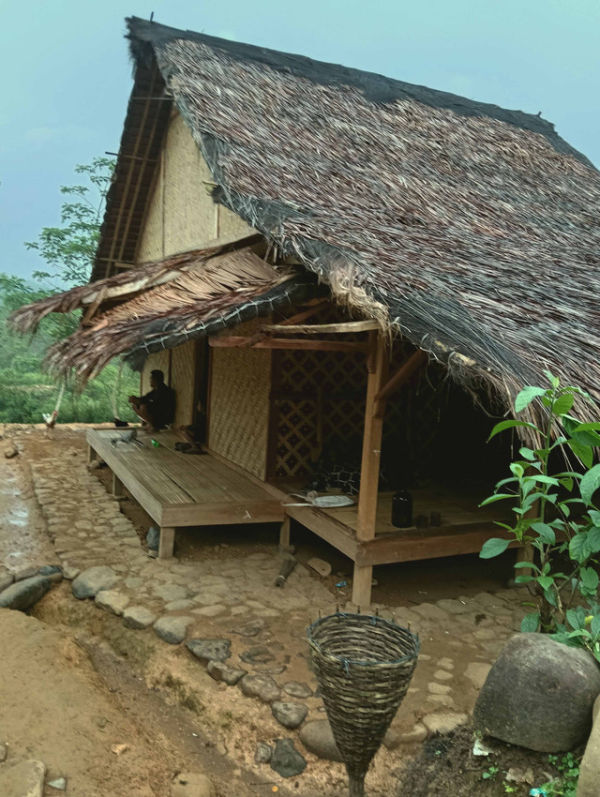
(166, 544)
(362, 580)
(117, 487)
(284, 534)
(91, 455)
(377, 364)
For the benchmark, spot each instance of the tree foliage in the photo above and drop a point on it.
(26, 390)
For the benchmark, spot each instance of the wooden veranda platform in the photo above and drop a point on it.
(178, 489)
(464, 528)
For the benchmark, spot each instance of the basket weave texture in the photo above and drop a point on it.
(364, 665)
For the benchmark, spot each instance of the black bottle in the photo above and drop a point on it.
(402, 509)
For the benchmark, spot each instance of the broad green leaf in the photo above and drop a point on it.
(563, 404)
(583, 453)
(531, 565)
(523, 579)
(500, 427)
(527, 453)
(589, 578)
(591, 439)
(545, 581)
(493, 547)
(595, 625)
(567, 484)
(526, 396)
(550, 596)
(592, 543)
(497, 497)
(587, 427)
(545, 532)
(590, 483)
(530, 622)
(577, 548)
(517, 469)
(554, 380)
(595, 516)
(574, 619)
(543, 479)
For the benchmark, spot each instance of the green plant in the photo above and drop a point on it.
(555, 513)
(566, 784)
(490, 773)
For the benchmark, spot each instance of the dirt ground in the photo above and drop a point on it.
(76, 667)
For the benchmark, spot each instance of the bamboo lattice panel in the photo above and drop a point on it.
(319, 403)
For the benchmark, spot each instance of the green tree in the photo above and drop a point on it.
(26, 391)
(69, 249)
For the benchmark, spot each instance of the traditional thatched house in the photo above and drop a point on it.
(402, 225)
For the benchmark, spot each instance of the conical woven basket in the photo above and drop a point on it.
(364, 665)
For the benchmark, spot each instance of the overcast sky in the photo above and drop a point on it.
(67, 74)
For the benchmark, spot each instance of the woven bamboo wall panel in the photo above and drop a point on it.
(183, 376)
(181, 213)
(239, 404)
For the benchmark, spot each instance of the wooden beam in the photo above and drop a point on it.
(312, 306)
(343, 327)
(377, 364)
(402, 375)
(235, 341)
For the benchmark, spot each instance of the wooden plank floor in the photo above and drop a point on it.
(464, 528)
(183, 489)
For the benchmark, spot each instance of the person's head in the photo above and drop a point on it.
(157, 378)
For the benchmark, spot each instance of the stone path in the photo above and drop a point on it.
(233, 600)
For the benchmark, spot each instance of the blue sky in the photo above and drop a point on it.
(67, 74)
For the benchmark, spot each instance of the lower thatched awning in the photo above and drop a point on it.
(164, 304)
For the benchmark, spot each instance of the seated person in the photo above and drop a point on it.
(156, 408)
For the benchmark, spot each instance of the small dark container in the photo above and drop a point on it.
(402, 508)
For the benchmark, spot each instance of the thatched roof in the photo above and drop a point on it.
(469, 229)
(163, 305)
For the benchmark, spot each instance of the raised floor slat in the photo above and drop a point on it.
(184, 489)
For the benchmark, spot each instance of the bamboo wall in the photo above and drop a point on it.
(238, 417)
(181, 214)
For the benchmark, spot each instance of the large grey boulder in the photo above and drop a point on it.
(539, 694)
(23, 594)
(89, 582)
(589, 769)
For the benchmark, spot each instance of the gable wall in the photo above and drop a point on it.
(181, 216)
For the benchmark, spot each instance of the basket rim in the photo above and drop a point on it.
(372, 619)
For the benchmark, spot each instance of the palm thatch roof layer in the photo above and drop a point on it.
(167, 303)
(463, 224)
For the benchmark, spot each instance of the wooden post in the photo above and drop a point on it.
(377, 366)
(117, 486)
(361, 585)
(371, 452)
(284, 534)
(166, 544)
